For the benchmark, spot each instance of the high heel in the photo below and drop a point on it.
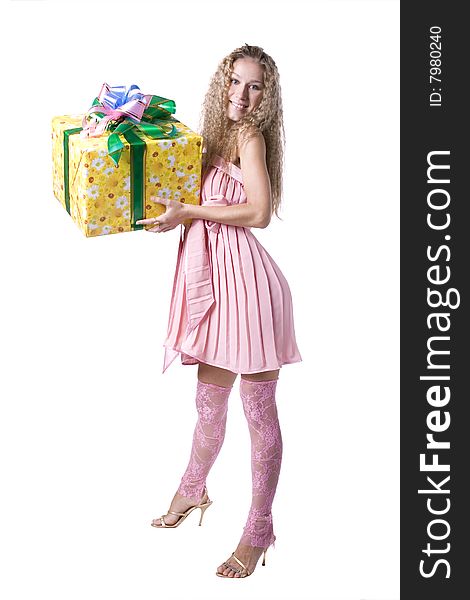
(203, 508)
(243, 571)
(182, 516)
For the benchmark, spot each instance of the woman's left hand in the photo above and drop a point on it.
(171, 218)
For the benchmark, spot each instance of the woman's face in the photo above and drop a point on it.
(246, 88)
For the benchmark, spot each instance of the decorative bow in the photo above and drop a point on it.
(216, 200)
(198, 268)
(122, 109)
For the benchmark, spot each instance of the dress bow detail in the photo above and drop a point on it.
(198, 267)
(216, 200)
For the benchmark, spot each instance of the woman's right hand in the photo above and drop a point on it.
(173, 216)
(159, 228)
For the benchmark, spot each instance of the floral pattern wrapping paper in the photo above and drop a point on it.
(100, 192)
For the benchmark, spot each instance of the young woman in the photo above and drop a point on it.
(231, 308)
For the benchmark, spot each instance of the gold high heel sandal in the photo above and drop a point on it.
(182, 516)
(243, 571)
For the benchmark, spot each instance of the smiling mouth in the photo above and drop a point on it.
(238, 106)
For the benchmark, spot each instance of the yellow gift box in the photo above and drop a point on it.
(100, 196)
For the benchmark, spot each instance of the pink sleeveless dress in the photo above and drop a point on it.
(231, 306)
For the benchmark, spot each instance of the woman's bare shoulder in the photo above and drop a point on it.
(251, 142)
(250, 135)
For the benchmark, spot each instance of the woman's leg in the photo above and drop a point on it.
(216, 375)
(259, 404)
(212, 392)
(258, 392)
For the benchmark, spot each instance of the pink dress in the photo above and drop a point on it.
(231, 306)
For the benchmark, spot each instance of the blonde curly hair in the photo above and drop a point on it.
(221, 135)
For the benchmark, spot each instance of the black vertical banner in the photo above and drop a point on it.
(435, 250)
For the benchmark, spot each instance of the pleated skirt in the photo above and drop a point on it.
(249, 325)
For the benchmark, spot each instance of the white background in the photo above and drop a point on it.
(94, 439)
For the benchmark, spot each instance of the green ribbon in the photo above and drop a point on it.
(138, 150)
(67, 134)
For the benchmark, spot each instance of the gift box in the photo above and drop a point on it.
(105, 170)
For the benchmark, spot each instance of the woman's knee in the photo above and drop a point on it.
(210, 374)
(263, 376)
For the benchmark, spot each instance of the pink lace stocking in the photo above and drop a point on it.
(260, 409)
(209, 433)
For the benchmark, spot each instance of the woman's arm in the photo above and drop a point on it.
(257, 210)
